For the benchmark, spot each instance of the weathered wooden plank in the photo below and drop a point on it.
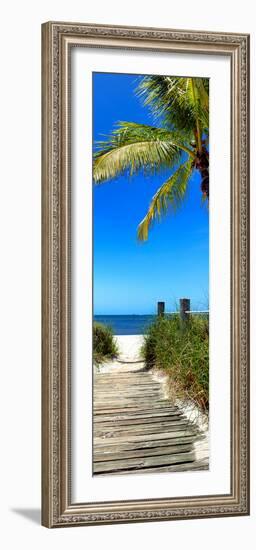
(107, 445)
(185, 467)
(109, 434)
(136, 384)
(139, 419)
(129, 402)
(166, 413)
(137, 412)
(129, 395)
(100, 396)
(140, 373)
(119, 394)
(116, 411)
(116, 453)
(131, 381)
(128, 399)
(145, 462)
(149, 437)
(139, 384)
(125, 383)
(113, 431)
(139, 407)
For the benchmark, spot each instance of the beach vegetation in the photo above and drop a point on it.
(104, 343)
(181, 350)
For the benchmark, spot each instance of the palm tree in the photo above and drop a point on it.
(179, 144)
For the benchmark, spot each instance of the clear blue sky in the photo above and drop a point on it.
(130, 276)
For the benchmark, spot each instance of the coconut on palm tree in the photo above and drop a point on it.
(180, 143)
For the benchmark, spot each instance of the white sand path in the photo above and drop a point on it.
(129, 358)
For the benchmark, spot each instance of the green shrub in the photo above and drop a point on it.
(104, 344)
(182, 351)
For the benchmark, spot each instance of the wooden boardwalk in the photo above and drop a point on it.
(136, 429)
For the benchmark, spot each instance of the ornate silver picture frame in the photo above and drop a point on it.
(58, 40)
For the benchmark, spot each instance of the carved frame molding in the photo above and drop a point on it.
(57, 41)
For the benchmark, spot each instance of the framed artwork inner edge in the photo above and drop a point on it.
(57, 509)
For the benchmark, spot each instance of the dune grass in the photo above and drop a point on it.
(181, 350)
(104, 344)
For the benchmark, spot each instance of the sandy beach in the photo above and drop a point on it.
(129, 346)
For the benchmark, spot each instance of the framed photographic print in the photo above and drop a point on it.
(145, 274)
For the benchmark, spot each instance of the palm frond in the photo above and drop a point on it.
(132, 147)
(174, 100)
(169, 195)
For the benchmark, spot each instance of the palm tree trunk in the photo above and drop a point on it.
(202, 164)
(205, 181)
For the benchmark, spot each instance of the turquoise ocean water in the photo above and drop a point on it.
(126, 324)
